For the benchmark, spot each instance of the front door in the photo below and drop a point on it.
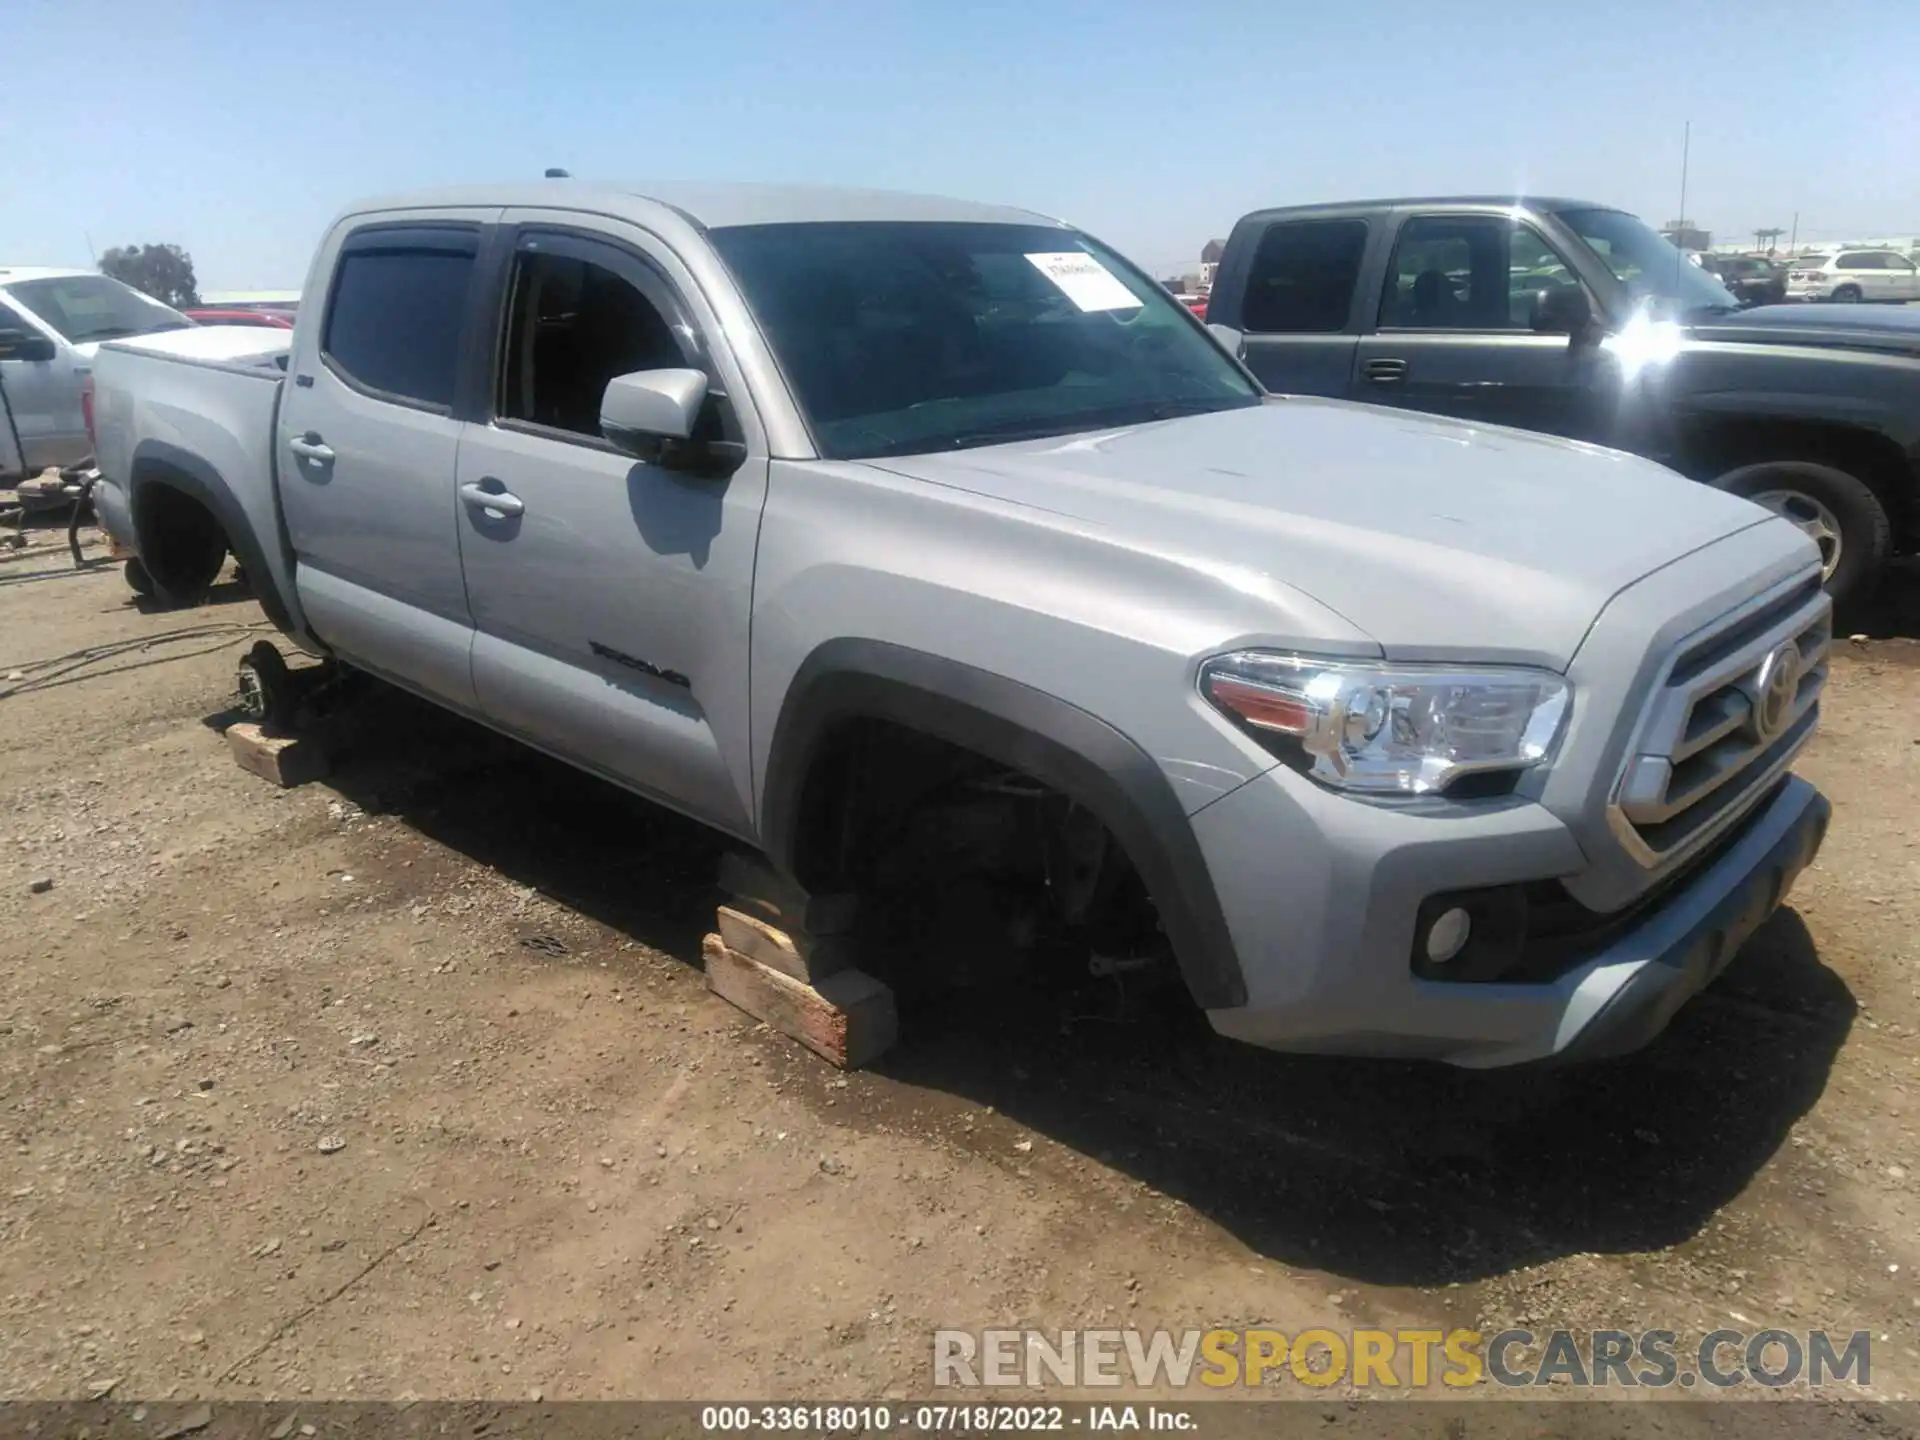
(43, 400)
(610, 597)
(1903, 279)
(366, 445)
(1455, 332)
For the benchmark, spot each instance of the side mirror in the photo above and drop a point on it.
(16, 344)
(639, 410)
(1234, 342)
(1563, 310)
(652, 415)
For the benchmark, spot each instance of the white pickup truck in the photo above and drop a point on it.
(899, 537)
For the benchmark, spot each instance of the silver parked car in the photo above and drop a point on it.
(51, 323)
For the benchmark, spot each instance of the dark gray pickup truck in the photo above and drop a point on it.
(1581, 320)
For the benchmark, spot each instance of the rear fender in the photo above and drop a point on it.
(157, 463)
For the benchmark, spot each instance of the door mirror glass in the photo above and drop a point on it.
(641, 409)
(1562, 310)
(16, 344)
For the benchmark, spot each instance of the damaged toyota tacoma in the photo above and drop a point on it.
(856, 526)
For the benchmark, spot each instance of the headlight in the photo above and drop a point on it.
(1394, 729)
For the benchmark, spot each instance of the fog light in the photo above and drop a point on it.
(1447, 936)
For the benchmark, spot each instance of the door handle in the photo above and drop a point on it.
(1385, 372)
(496, 502)
(309, 447)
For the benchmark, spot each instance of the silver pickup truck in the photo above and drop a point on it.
(859, 526)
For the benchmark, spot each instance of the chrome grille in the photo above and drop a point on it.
(1728, 714)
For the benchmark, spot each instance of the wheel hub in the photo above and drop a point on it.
(1815, 520)
(251, 698)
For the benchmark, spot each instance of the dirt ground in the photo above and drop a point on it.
(407, 1084)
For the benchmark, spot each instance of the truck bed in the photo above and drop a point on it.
(202, 403)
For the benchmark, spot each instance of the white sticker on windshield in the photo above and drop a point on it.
(1085, 281)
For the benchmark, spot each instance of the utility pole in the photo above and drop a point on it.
(1794, 239)
(1686, 147)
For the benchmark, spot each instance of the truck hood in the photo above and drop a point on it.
(1893, 329)
(1441, 540)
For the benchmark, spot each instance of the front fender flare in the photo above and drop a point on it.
(1059, 744)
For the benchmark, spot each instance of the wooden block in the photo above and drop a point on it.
(805, 957)
(760, 890)
(846, 1018)
(282, 759)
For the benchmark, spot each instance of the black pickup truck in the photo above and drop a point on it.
(1583, 321)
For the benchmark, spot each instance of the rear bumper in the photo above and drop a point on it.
(1326, 940)
(115, 515)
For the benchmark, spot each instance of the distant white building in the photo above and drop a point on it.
(1210, 254)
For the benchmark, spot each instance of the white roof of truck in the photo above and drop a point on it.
(711, 205)
(11, 273)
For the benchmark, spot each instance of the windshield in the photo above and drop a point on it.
(84, 308)
(1811, 262)
(900, 338)
(1642, 259)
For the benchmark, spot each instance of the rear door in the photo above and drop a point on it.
(367, 443)
(1859, 272)
(610, 597)
(1454, 332)
(1301, 302)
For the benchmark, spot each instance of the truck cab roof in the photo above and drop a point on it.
(710, 206)
(1426, 202)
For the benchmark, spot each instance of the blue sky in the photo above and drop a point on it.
(237, 127)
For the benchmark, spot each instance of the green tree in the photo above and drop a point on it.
(163, 271)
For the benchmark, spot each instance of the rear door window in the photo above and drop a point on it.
(398, 316)
(1861, 260)
(1303, 277)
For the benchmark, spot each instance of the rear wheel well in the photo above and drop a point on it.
(1712, 449)
(182, 542)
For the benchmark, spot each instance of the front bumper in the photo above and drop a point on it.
(1325, 931)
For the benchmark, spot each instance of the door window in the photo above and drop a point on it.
(395, 322)
(572, 326)
(1862, 260)
(1303, 277)
(1469, 272)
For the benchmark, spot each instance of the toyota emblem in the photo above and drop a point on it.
(1776, 687)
